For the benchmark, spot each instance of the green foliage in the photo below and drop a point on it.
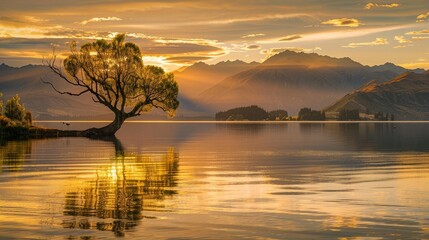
(6, 122)
(1, 104)
(383, 117)
(278, 115)
(306, 114)
(28, 119)
(346, 115)
(114, 73)
(14, 109)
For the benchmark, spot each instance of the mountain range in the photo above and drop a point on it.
(292, 80)
(288, 80)
(405, 96)
(39, 98)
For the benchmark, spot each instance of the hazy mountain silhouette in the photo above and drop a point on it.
(200, 76)
(311, 60)
(394, 68)
(45, 103)
(406, 96)
(291, 80)
(288, 80)
(40, 98)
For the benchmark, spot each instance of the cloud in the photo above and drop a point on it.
(422, 32)
(290, 38)
(165, 52)
(101, 19)
(370, 6)
(420, 38)
(179, 51)
(414, 65)
(272, 51)
(376, 42)
(422, 17)
(34, 19)
(402, 39)
(186, 59)
(343, 22)
(253, 35)
(253, 47)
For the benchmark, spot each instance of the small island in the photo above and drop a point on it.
(256, 113)
(252, 113)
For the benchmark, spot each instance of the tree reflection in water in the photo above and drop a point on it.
(115, 199)
(13, 155)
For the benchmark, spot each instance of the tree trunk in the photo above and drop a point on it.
(108, 130)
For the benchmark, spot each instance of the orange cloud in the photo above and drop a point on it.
(253, 35)
(343, 22)
(376, 42)
(422, 32)
(253, 47)
(420, 38)
(414, 65)
(370, 6)
(422, 17)
(290, 38)
(101, 19)
(402, 39)
(272, 51)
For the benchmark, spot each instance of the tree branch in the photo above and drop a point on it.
(61, 92)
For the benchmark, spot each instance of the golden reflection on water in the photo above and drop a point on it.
(115, 196)
(233, 183)
(13, 154)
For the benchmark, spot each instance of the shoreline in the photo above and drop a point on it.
(34, 132)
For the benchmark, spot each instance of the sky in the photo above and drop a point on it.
(178, 33)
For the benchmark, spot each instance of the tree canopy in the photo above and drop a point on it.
(114, 73)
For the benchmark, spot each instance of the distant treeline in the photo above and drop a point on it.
(255, 113)
(251, 113)
(306, 114)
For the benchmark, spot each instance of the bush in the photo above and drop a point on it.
(251, 113)
(28, 119)
(14, 110)
(1, 105)
(278, 115)
(306, 114)
(6, 122)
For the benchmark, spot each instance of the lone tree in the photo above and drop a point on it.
(113, 72)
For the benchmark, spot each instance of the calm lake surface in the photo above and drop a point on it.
(220, 181)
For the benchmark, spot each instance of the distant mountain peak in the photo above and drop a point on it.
(369, 86)
(313, 60)
(229, 62)
(200, 64)
(406, 96)
(388, 66)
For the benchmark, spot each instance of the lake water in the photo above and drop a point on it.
(220, 181)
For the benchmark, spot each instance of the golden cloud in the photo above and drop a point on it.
(420, 38)
(253, 47)
(370, 6)
(101, 19)
(424, 65)
(186, 59)
(422, 17)
(376, 42)
(343, 22)
(422, 32)
(402, 39)
(253, 35)
(272, 51)
(290, 38)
